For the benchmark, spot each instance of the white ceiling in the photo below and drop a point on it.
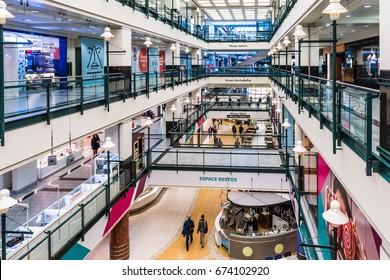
(232, 10)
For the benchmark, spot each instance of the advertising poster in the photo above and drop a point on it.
(356, 240)
(92, 59)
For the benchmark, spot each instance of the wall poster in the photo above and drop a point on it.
(357, 240)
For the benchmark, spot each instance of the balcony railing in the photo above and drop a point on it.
(357, 113)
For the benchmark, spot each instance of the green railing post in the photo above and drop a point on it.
(177, 161)
(49, 245)
(81, 96)
(135, 86)
(2, 91)
(82, 221)
(321, 107)
(369, 134)
(146, 8)
(172, 20)
(299, 76)
(339, 106)
(156, 81)
(334, 100)
(48, 112)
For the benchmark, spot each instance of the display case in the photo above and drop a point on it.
(53, 215)
(101, 164)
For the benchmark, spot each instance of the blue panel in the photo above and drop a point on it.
(92, 58)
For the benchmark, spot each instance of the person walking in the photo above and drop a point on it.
(234, 130)
(202, 228)
(237, 143)
(188, 230)
(95, 144)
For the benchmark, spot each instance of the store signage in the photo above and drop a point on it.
(238, 46)
(218, 179)
(239, 80)
(236, 116)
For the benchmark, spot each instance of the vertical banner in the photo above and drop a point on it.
(92, 60)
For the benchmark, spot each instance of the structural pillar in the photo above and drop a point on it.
(120, 62)
(120, 240)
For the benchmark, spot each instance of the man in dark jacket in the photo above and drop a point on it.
(188, 230)
(202, 228)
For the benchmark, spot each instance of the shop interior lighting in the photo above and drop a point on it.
(107, 35)
(286, 42)
(299, 33)
(299, 149)
(173, 47)
(147, 42)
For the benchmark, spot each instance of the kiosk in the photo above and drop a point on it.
(256, 225)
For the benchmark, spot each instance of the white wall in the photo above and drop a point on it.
(24, 176)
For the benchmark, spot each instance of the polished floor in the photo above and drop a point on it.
(155, 233)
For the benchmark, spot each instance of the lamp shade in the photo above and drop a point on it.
(198, 51)
(108, 145)
(4, 12)
(274, 102)
(173, 47)
(173, 108)
(286, 41)
(198, 10)
(147, 42)
(187, 100)
(334, 9)
(279, 47)
(299, 149)
(299, 33)
(205, 53)
(278, 110)
(186, 50)
(334, 215)
(198, 94)
(107, 35)
(148, 122)
(286, 124)
(6, 201)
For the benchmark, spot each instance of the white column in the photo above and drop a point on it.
(112, 132)
(121, 41)
(384, 38)
(125, 139)
(177, 54)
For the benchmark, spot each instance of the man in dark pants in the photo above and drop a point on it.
(188, 230)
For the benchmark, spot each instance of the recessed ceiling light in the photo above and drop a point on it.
(75, 29)
(367, 6)
(34, 11)
(366, 25)
(353, 30)
(348, 16)
(28, 20)
(341, 34)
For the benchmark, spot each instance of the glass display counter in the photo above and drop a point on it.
(52, 215)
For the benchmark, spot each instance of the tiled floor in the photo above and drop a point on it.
(156, 232)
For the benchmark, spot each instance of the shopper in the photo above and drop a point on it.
(202, 228)
(95, 144)
(188, 230)
(237, 143)
(241, 130)
(220, 143)
(234, 130)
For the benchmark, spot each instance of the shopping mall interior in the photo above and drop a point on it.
(124, 122)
